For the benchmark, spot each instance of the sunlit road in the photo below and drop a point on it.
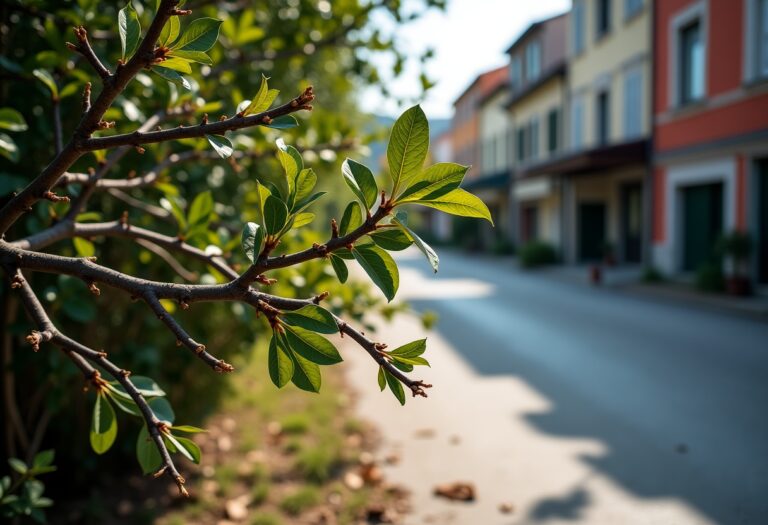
(665, 408)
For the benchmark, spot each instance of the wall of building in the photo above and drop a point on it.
(494, 134)
(538, 104)
(605, 63)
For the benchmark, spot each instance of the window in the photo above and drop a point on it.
(603, 22)
(762, 39)
(553, 132)
(577, 26)
(691, 48)
(521, 144)
(633, 103)
(577, 123)
(533, 61)
(516, 71)
(534, 138)
(602, 113)
(632, 7)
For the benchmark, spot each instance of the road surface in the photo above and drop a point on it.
(573, 404)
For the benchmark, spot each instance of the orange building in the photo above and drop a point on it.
(710, 113)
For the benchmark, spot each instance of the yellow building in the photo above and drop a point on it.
(604, 171)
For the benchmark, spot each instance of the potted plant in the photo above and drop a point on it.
(736, 247)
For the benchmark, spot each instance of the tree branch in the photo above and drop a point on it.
(83, 47)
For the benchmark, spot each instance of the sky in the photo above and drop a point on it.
(469, 38)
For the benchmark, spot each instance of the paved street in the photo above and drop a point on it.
(575, 404)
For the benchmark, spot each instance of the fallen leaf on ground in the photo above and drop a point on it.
(457, 491)
(425, 433)
(506, 508)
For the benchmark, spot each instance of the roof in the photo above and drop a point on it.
(531, 28)
(485, 82)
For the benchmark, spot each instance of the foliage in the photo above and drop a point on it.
(23, 496)
(260, 214)
(709, 277)
(651, 275)
(537, 253)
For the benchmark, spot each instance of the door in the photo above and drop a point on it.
(632, 222)
(762, 227)
(702, 224)
(591, 231)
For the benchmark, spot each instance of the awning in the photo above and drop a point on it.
(499, 180)
(594, 160)
(533, 188)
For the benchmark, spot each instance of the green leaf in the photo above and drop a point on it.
(263, 99)
(283, 122)
(340, 268)
(200, 210)
(170, 32)
(162, 409)
(403, 367)
(221, 144)
(193, 56)
(147, 453)
(312, 317)
(18, 465)
(8, 148)
(412, 361)
(435, 181)
(425, 248)
(43, 76)
(103, 425)
(172, 76)
(460, 202)
(177, 64)
(360, 180)
(395, 386)
(290, 159)
(12, 120)
(126, 405)
(280, 363)
(300, 206)
(44, 458)
(412, 349)
(392, 239)
(83, 248)
(201, 35)
(382, 379)
(171, 204)
(302, 219)
(188, 448)
(305, 183)
(311, 346)
(189, 429)
(129, 29)
(380, 267)
(306, 374)
(252, 241)
(351, 219)
(408, 146)
(146, 386)
(275, 215)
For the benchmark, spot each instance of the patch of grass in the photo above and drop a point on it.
(353, 426)
(259, 492)
(295, 424)
(353, 506)
(292, 445)
(316, 464)
(300, 500)
(226, 476)
(266, 519)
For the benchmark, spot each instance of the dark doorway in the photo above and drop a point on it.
(530, 223)
(632, 221)
(591, 231)
(702, 224)
(762, 226)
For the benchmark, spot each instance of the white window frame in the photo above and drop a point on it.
(696, 11)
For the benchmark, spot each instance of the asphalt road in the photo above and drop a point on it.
(675, 399)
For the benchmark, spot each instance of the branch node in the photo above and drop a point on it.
(223, 367)
(124, 219)
(49, 195)
(334, 229)
(182, 490)
(181, 12)
(205, 119)
(319, 297)
(87, 97)
(17, 281)
(160, 472)
(139, 149)
(266, 120)
(417, 388)
(34, 339)
(125, 373)
(104, 124)
(200, 349)
(94, 289)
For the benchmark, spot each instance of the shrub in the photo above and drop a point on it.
(537, 253)
(651, 275)
(709, 277)
(301, 500)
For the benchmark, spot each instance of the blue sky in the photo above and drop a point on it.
(469, 38)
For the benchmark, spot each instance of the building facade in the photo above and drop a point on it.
(538, 80)
(710, 172)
